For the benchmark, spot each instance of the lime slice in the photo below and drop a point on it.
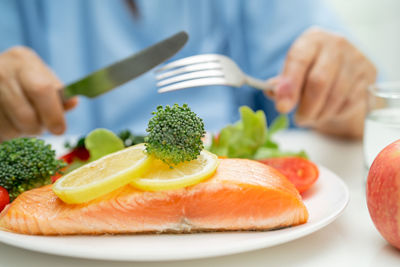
(103, 175)
(101, 142)
(162, 177)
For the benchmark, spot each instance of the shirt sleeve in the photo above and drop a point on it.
(269, 29)
(11, 30)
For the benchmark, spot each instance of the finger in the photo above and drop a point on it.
(356, 101)
(17, 108)
(70, 103)
(318, 85)
(272, 83)
(41, 87)
(8, 130)
(342, 88)
(352, 85)
(298, 62)
(353, 111)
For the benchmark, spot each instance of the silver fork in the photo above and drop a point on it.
(205, 70)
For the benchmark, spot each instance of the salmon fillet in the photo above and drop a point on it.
(241, 195)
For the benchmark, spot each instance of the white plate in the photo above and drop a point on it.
(325, 201)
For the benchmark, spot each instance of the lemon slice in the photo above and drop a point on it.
(161, 177)
(103, 175)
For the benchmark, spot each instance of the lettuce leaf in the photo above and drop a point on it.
(242, 139)
(251, 138)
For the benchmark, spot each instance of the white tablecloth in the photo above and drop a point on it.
(351, 240)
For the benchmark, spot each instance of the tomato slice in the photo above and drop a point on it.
(4, 198)
(80, 153)
(58, 175)
(301, 172)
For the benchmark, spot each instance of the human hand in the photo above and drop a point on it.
(29, 100)
(327, 78)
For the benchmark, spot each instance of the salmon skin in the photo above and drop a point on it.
(241, 195)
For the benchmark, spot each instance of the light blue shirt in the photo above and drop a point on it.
(76, 37)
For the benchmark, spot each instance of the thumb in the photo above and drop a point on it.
(271, 83)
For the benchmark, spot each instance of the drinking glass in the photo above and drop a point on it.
(382, 123)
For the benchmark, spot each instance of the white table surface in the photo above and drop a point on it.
(351, 240)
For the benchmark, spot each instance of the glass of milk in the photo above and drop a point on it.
(382, 123)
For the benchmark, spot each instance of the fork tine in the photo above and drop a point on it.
(190, 76)
(193, 83)
(189, 60)
(189, 68)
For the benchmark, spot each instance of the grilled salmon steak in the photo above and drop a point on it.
(241, 195)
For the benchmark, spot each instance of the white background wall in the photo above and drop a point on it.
(376, 24)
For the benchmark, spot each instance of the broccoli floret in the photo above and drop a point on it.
(26, 163)
(174, 134)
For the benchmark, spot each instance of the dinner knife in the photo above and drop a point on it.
(114, 75)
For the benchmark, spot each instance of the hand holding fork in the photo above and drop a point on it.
(324, 75)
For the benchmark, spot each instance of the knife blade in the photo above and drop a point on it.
(114, 75)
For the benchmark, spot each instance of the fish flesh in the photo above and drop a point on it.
(241, 195)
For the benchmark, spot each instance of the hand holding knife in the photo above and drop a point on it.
(110, 77)
(29, 94)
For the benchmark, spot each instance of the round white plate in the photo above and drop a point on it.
(325, 201)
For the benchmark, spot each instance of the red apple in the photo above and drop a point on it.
(383, 193)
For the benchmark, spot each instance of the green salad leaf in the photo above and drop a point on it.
(251, 138)
(127, 137)
(280, 123)
(242, 139)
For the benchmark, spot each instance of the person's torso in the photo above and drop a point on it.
(77, 37)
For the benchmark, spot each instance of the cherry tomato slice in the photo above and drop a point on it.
(301, 172)
(69, 157)
(58, 175)
(82, 153)
(4, 198)
(79, 152)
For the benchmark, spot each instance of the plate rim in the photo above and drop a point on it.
(290, 234)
